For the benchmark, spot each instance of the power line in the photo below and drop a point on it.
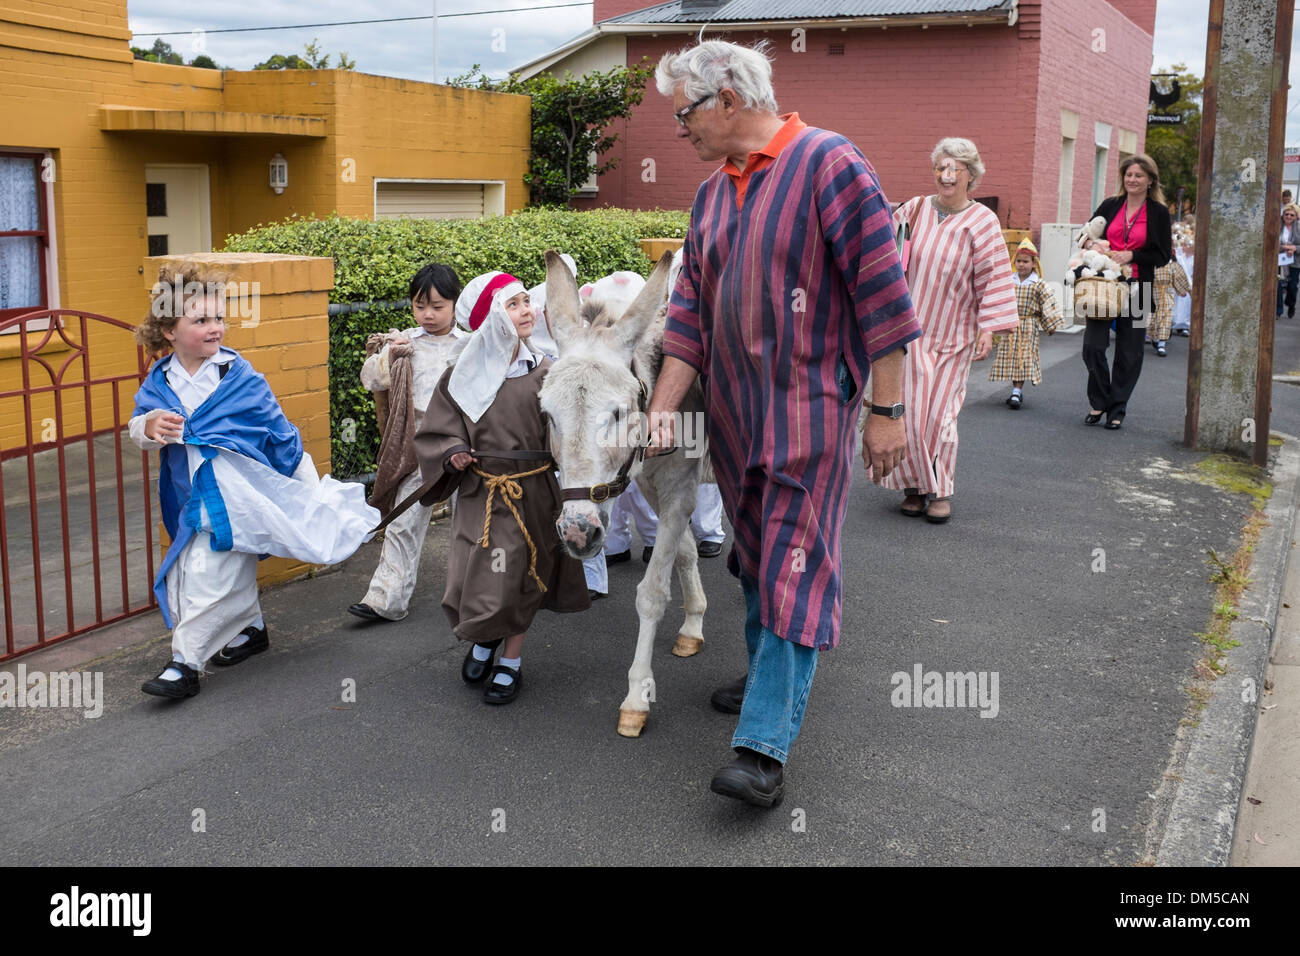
(348, 23)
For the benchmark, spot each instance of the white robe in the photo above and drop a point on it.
(213, 594)
(393, 583)
(1183, 303)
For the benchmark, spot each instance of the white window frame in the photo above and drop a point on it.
(52, 248)
(1102, 140)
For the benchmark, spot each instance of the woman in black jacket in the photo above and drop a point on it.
(1138, 229)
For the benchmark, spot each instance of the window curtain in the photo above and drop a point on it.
(20, 256)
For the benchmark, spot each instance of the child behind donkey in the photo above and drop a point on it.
(405, 368)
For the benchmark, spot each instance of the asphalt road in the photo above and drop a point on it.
(1077, 767)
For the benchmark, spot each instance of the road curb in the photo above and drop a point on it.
(1199, 831)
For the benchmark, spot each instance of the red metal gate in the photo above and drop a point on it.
(56, 376)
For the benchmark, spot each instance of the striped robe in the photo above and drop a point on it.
(1017, 354)
(960, 276)
(1170, 279)
(782, 306)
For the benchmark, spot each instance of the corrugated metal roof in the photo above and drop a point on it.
(755, 10)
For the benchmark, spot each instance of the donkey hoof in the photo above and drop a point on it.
(687, 646)
(630, 722)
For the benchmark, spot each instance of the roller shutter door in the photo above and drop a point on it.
(429, 201)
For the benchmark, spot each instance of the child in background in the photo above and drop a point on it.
(483, 434)
(233, 482)
(1169, 279)
(1017, 357)
(415, 360)
(1185, 254)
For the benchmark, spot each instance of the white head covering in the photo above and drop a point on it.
(541, 339)
(617, 291)
(478, 373)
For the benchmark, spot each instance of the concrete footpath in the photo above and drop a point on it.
(1073, 580)
(1266, 831)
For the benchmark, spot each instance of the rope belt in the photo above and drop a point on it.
(511, 491)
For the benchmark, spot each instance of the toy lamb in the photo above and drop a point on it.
(1091, 259)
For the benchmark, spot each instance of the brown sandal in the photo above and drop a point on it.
(938, 519)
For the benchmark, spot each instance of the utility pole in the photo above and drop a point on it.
(1239, 187)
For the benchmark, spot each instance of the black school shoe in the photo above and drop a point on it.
(503, 693)
(368, 613)
(618, 558)
(258, 641)
(754, 778)
(473, 671)
(187, 685)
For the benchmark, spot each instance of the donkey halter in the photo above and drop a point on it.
(605, 490)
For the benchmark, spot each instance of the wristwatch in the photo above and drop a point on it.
(889, 411)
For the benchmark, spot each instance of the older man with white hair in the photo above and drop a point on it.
(790, 295)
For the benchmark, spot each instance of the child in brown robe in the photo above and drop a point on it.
(483, 435)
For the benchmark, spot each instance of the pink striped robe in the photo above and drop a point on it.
(959, 274)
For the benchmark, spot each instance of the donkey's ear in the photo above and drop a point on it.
(644, 307)
(561, 297)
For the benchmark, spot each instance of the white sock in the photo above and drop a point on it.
(241, 638)
(172, 673)
(480, 652)
(1014, 390)
(506, 679)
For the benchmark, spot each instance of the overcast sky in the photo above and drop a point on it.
(474, 31)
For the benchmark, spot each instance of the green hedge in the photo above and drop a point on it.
(374, 262)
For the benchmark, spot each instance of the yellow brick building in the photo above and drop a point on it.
(112, 159)
(110, 167)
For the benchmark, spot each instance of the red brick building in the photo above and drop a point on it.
(1053, 92)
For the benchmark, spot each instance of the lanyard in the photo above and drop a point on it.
(1128, 225)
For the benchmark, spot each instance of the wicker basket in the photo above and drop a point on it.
(1098, 298)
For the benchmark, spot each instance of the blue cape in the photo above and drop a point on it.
(241, 415)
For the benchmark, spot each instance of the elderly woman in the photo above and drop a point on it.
(1288, 276)
(959, 274)
(1139, 232)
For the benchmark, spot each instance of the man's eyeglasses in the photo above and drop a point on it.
(681, 115)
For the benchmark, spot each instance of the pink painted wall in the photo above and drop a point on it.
(896, 92)
(1122, 62)
(1141, 12)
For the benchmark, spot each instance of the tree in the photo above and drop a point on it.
(162, 52)
(569, 117)
(1176, 149)
(313, 61)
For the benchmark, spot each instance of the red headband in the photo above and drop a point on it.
(484, 303)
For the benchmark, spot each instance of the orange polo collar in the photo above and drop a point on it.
(760, 159)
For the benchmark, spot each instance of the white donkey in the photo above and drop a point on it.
(595, 398)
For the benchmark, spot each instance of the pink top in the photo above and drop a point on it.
(1123, 234)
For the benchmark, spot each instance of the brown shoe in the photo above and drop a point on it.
(913, 506)
(942, 514)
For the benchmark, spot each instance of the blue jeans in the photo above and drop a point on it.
(780, 677)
